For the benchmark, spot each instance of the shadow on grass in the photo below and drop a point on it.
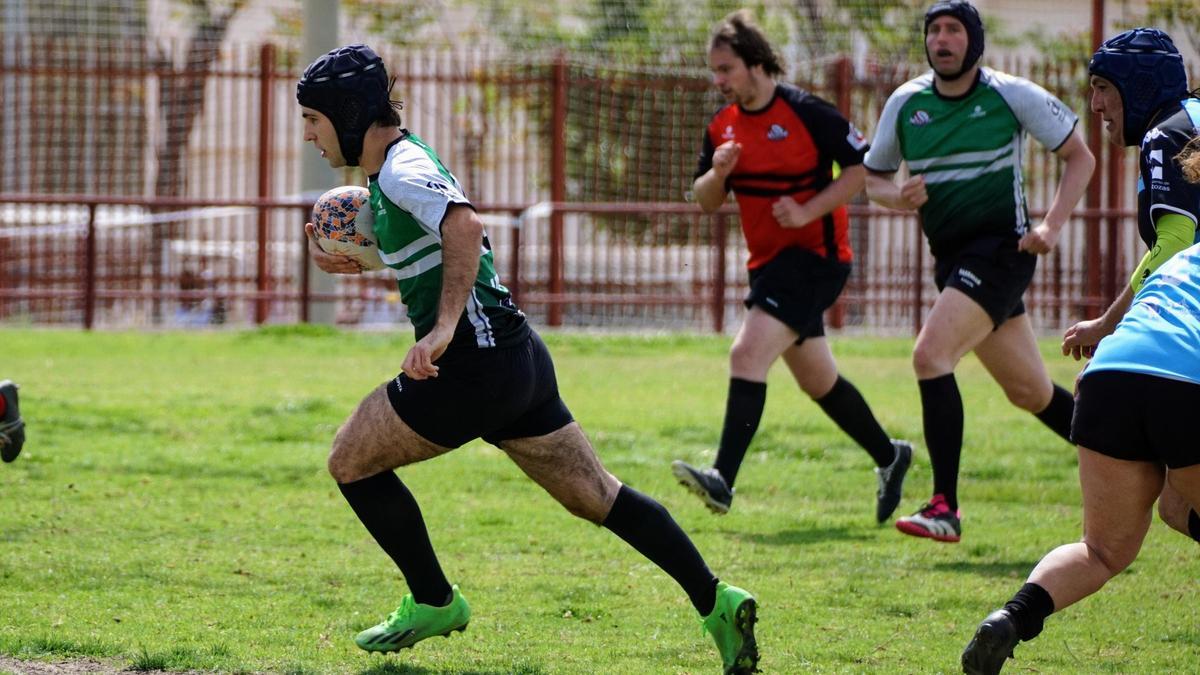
(406, 669)
(1018, 568)
(815, 535)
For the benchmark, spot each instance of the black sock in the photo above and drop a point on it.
(1029, 609)
(850, 411)
(1057, 414)
(393, 518)
(942, 414)
(1194, 524)
(743, 410)
(646, 526)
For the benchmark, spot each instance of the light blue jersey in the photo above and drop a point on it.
(1160, 334)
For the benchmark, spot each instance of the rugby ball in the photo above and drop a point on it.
(345, 225)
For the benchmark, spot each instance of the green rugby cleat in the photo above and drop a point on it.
(731, 624)
(413, 622)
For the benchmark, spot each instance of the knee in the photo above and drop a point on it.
(747, 360)
(741, 357)
(1166, 513)
(1115, 556)
(593, 504)
(582, 506)
(585, 510)
(1174, 512)
(818, 387)
(1029, 397)
(340, 470)
(339, 465)
(930, 362)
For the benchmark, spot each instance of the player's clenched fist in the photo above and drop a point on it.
(912, 193)
(789, 213)
(725, 157)
(1040, 240)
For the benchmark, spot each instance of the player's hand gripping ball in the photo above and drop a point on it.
(345, 225)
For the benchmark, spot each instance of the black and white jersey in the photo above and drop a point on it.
(1162, 187)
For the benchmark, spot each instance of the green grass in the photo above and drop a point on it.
(171, 511)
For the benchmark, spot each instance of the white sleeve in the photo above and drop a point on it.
(413, 183)
(886, 154)
(1045, 117)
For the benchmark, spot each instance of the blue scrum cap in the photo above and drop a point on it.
(1147, 70)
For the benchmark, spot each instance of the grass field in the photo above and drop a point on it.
(171, 511)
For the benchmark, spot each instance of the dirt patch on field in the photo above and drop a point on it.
(73, 667)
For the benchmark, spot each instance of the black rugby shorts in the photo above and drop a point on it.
(990, 271)
(796, 287)
(496, 394)
(1137, 417)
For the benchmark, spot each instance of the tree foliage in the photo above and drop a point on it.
(674, 31)
(399, 23)
(182, 97)
(632, 152)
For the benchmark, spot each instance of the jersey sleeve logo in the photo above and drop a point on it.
(1156, 169)
(1057, 111)
(920, 118)
(776, 133)
(856, 139)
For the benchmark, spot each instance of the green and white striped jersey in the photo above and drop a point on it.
(410, 196)
(969, 151)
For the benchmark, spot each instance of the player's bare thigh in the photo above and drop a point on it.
(564, 463)
(374, 439)
(760, 340)
(955, 325)
(1011, 355)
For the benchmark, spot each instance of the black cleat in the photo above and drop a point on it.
(707, 484)
(992, 645)
(12, 428)
(891, 481)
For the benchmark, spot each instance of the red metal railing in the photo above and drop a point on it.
(649, 264)
(578, 136)
(113, 268)
(673, 262)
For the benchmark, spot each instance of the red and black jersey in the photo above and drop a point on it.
(788, 148)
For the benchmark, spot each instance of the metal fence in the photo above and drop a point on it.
(665, 265)
(579, 168)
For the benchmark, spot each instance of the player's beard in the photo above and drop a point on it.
(745, 97)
